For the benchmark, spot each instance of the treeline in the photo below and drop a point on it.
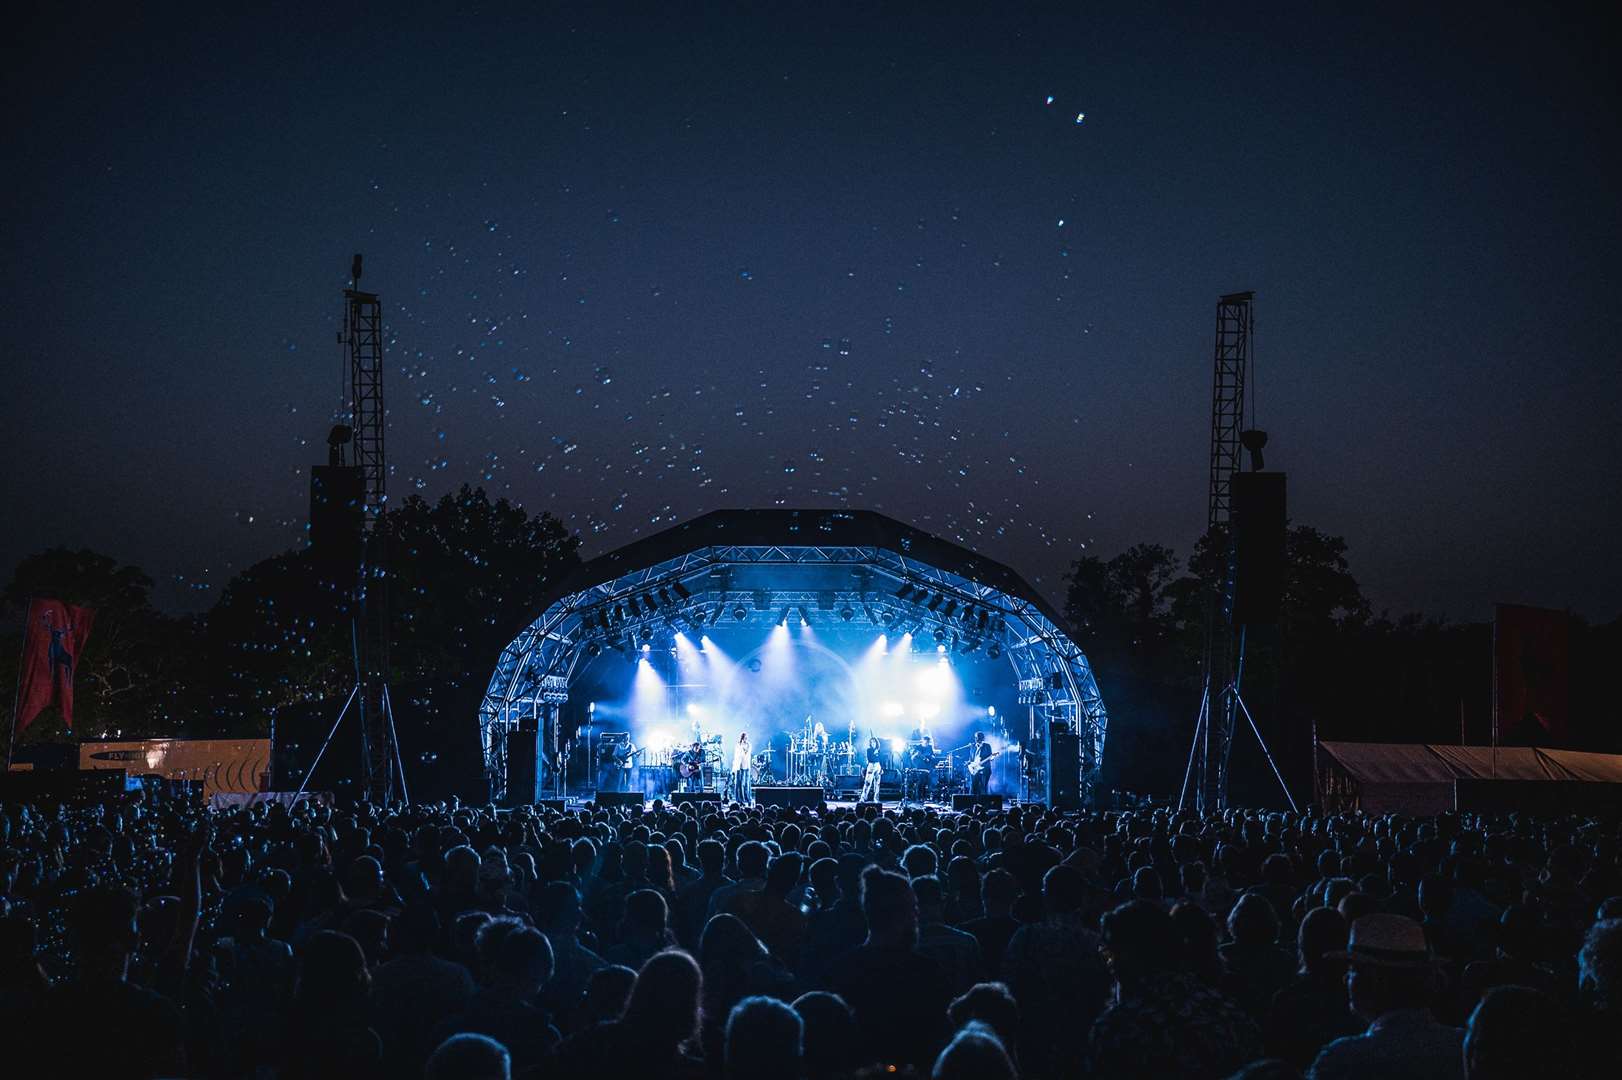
(1331, 667)
(465, 574)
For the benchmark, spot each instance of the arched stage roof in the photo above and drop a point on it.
(834, 567)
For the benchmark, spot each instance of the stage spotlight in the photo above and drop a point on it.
(935, 601)
(782, 617)
(940, 636)
(664, 595)
(803, 621)
(897, 746)
(740, 613)
(594, 648)
(681, 590)
(994, 650)
(991, 711)
(905, 592)
(951, 606)
(619, 612)
(847, 613)
(941, 648)
(906, 638)
(647, 646)
(703, 642)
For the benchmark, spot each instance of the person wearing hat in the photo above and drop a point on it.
(1390, 980)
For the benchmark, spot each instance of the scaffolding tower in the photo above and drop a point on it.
(363, 336)
(1223, 662)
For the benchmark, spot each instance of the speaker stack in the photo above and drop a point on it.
(1064, 769)
(523, 766)
(1259, 527)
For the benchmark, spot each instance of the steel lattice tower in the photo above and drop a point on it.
(363, 334)
(1234, 323)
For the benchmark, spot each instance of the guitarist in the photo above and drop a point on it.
(979, 759)
(691, 768)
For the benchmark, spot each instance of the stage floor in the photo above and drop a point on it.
(580, 802)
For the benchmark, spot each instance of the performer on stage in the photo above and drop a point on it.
(743, 771)
(980, 764)
(873, 773)
(560, 768)
(919, 770)
(690, 768)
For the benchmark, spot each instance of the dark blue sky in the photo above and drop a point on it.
(638, 265)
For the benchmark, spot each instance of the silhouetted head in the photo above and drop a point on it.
(469, 1057)
(829, 1036)
(890, 907)
(975, 1053)
(1516, 1033)
(662, 1011)
(764, 1040)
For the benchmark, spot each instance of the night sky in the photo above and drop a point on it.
(961, 270)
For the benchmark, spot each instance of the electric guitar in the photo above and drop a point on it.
(623, 758)
(975, 764)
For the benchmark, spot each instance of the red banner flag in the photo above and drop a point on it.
(1531, 676)
(54, 637)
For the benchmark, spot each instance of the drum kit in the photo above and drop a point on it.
(815, 759)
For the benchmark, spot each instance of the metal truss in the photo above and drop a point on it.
(702, 587)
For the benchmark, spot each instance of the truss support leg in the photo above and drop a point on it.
(305, 782)
(1266, 752)
(394, 741)
(1194, 744)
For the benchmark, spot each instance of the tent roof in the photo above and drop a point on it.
(1429, 763)
(798, 529)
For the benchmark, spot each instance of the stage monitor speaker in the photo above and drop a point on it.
(1259, 530)
(789, 796)
(1064, 769)
(620, 798)
(523, 767)
(337, 510)
(969, 802)
(679, 798)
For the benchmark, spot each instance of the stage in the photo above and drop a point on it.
(801, 648)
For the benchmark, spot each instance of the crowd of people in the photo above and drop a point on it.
(146, 938)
